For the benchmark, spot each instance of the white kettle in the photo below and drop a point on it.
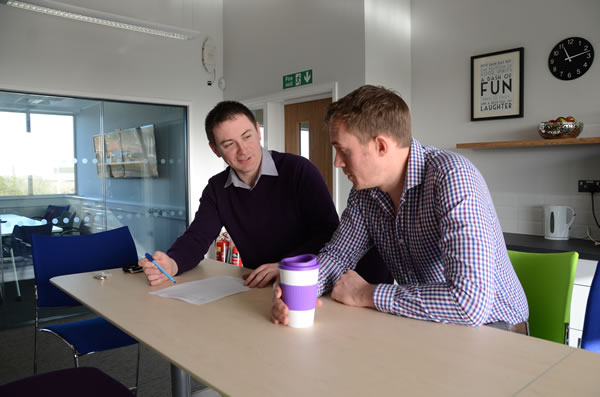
(556, 225)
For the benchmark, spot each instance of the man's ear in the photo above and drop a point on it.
(215, 150)
(382, 145)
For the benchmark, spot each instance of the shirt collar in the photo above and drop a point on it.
(267, 167)
(415, 168)
(416, 165)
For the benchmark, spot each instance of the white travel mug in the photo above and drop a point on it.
(299, 279)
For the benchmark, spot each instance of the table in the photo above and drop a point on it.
(8, 223)
(12, 220)
(231, 345)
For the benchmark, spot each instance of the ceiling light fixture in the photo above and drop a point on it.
(123, 24)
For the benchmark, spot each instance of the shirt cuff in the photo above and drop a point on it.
(383, 297)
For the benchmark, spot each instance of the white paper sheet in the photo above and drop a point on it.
(204, 291)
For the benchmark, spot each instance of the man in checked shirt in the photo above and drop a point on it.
(430, 215)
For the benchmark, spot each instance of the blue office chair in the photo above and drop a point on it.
(59, 255)
(84, 226)
(20, 245)
(67, 383)
(65, 222)
(590, 339)
(53, 211)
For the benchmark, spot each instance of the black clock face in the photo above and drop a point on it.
(571, 58)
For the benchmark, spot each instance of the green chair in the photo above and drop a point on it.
(548, 283)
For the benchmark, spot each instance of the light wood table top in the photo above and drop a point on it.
(231, 345)
(574, 375)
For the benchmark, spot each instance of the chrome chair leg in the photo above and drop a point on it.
(12, 256)
(1, 263)
(35, 332)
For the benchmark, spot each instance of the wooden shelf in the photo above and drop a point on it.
(530, 143)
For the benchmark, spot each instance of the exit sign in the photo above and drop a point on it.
(297, 79)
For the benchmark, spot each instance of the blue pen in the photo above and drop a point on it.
(151, 259)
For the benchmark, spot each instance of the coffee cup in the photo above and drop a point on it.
(299, 280)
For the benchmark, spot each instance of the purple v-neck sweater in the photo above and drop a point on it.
(281, 216)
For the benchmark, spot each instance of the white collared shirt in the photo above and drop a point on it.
(267, 167)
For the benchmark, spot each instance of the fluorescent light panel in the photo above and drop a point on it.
(98, 21)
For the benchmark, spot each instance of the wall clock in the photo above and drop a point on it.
(571, 58)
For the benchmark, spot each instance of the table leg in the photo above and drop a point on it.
(181, 385)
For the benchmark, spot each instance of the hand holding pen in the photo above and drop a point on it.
(153, 265)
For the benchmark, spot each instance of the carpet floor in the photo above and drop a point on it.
(16, 349)
(18, 312)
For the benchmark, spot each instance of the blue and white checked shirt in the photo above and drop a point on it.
(444, 246)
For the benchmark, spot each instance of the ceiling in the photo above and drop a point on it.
(15, 101)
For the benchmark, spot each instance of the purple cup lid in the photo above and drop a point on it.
(300, 262)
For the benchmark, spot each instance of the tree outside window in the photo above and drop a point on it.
(36, 155)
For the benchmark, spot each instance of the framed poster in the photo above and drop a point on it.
(497, 85)
(127, 153)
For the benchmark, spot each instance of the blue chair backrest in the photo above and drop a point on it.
(54, 211)
(22, 234)
(590, 339)
(56, 256)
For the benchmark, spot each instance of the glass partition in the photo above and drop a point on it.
(89, 165)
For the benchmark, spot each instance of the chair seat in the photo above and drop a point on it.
(92, 335)
(70, 382)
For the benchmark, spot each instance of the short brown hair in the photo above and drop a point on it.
(370, 111)
(223, 111)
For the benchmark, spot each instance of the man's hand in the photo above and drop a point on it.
(154, 275)
(279, 310)
(262, 275)
(352, 290)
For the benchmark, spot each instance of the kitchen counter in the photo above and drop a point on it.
(531, 243)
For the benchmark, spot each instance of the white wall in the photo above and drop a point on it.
(267, 39)
(46, 54)
(388, 45)
(344, 41)
(445, 34)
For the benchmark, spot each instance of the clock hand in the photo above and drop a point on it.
(568, 58)
(581, 53)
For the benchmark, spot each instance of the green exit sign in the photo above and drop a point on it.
(297, 79)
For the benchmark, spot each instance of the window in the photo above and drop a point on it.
(305, 140)
(36, 154)
(110, 163)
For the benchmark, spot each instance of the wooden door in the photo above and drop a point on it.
(304, 124)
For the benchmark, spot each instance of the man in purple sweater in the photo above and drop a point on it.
(273, 205)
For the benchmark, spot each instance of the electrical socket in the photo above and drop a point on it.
(591, 186)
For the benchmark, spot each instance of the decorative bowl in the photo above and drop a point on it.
(569, 129)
